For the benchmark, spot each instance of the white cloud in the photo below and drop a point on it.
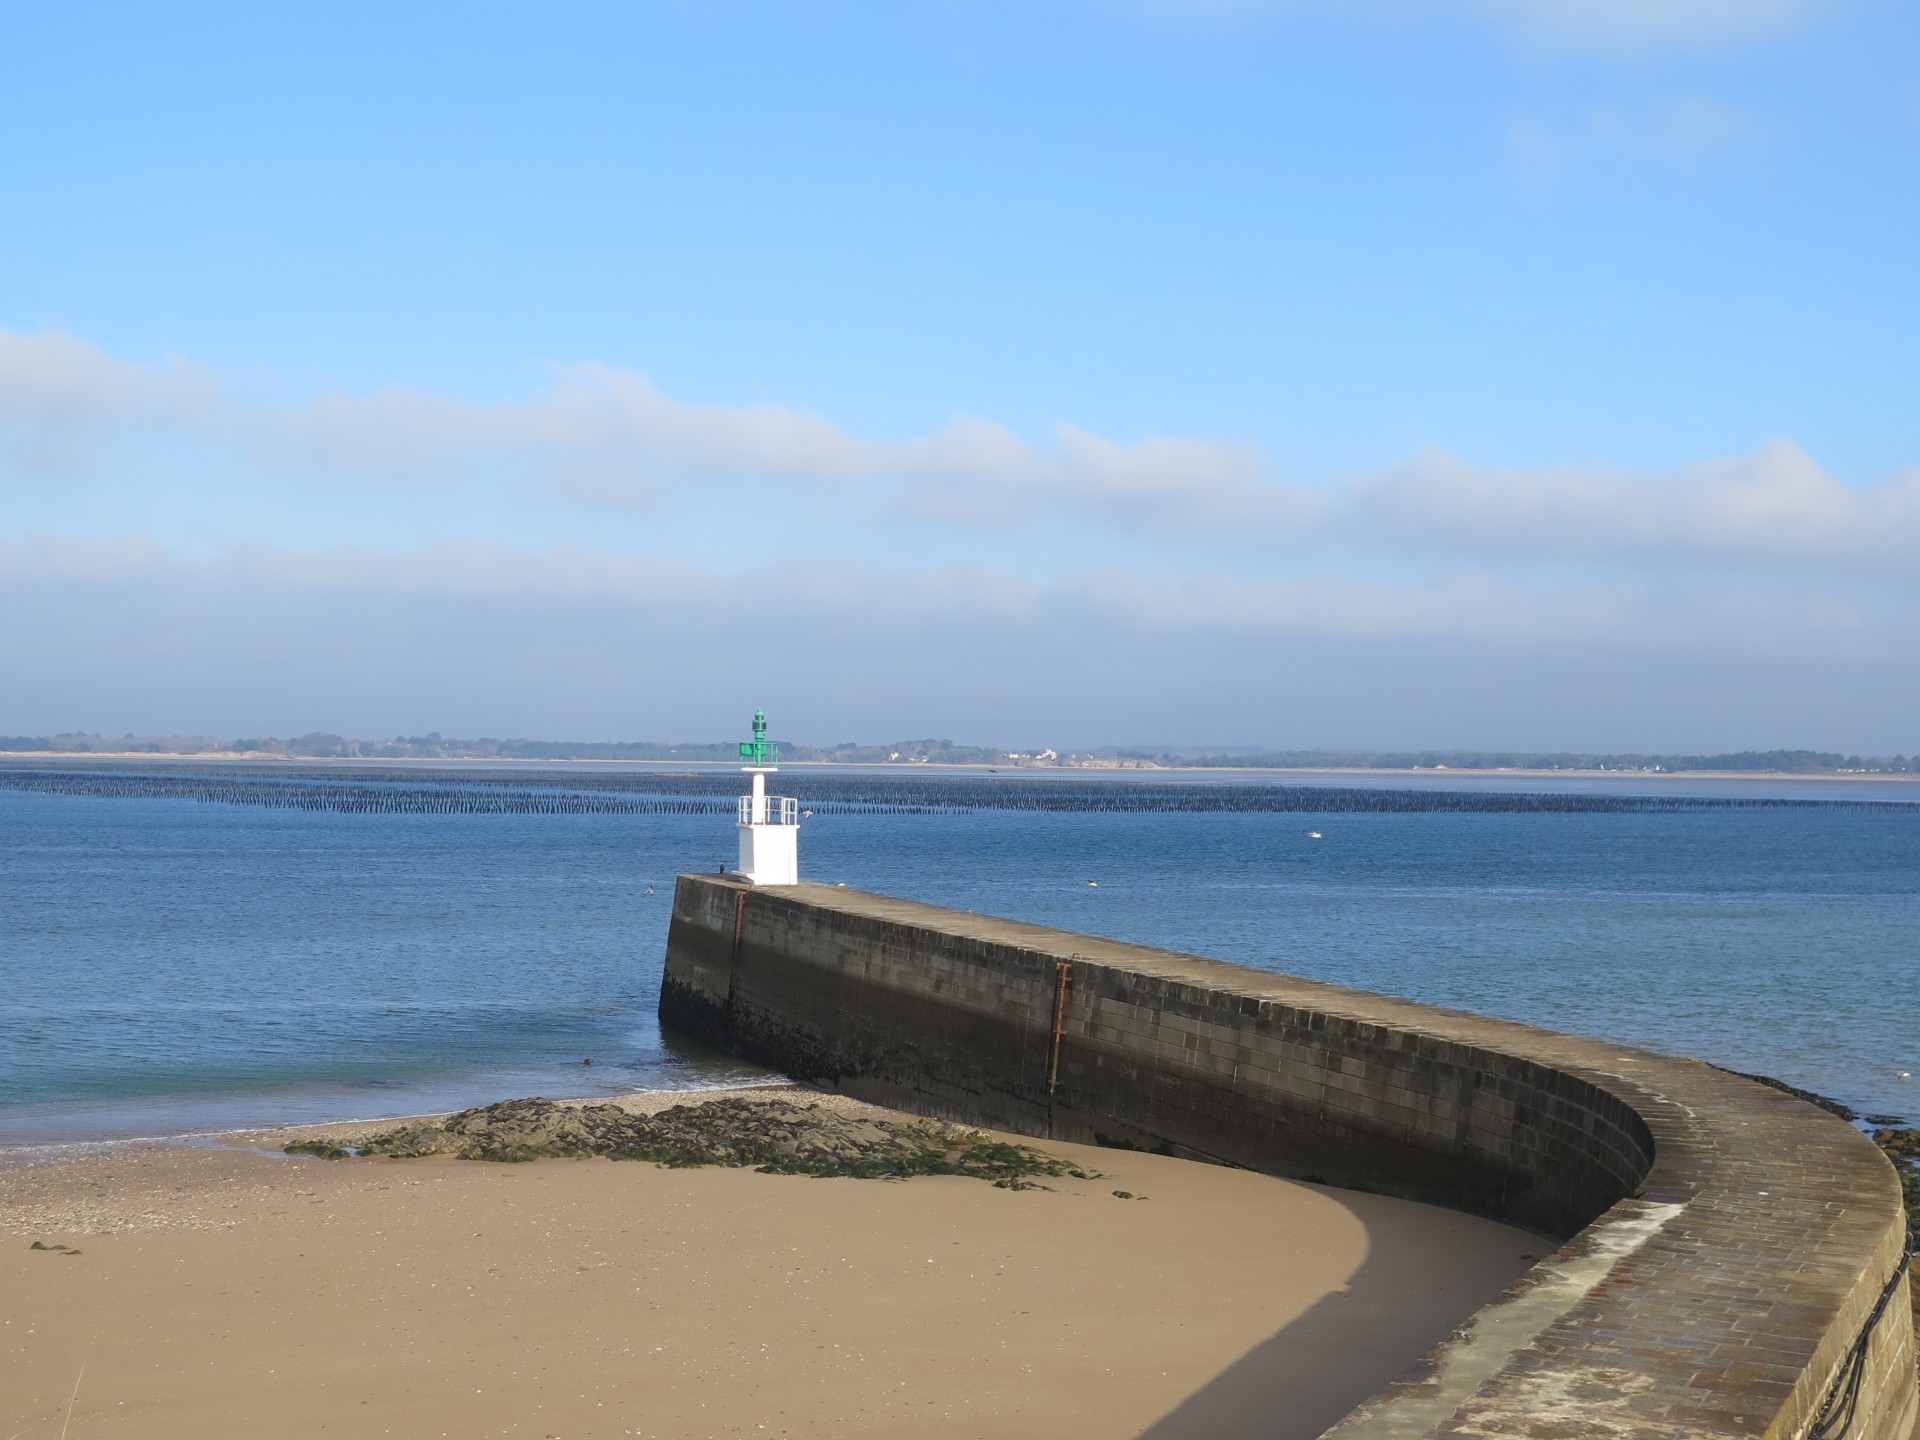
(53, 378)
(1472, 605)
(58, 393)
(1612, 25)
(600, 439)
(610, 437)
(593, 644)
(592, 411)
(1776, 507)
(1674, 132)
(1638, 23)
(60, 560)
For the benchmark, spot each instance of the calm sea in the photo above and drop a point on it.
(173, 965)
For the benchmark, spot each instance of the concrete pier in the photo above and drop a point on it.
(1733, 1259)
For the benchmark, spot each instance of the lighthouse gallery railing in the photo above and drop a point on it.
(781, 810)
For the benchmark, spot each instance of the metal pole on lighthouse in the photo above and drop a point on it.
(769, 824)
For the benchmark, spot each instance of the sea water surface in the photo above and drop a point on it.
(172, 966)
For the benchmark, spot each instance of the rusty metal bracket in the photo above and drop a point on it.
(1062, 983)
(733, 958)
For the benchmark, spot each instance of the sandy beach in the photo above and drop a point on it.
(229, 1290)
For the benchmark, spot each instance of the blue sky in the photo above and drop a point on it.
(1484, 373)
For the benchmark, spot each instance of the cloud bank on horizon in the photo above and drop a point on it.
(826, 563)
(1550, 419)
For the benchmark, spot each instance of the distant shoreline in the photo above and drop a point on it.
(515, 762)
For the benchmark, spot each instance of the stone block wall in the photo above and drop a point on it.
(1732, 1260)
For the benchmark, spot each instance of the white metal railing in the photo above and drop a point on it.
(781, 810)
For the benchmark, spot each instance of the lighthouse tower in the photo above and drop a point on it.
(769, 824)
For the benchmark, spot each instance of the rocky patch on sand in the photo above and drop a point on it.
(1902, 1146)
(780, 1136)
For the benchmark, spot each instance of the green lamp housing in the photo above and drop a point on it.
(760, 751)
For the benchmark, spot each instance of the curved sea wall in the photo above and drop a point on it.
(1733, 1259)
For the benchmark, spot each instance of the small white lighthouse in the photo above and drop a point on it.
(769, 824)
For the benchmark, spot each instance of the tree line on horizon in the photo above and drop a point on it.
(434, 746)
(1821, 761)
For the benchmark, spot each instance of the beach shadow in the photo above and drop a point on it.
(1410, 1292)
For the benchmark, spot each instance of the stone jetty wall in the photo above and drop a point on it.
(1732, 1259)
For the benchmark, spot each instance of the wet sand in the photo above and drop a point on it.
(221, 1291)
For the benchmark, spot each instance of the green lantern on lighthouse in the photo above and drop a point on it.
(760, 752)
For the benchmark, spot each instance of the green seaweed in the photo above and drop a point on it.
(919, 1152)
(320, 1149)
(774, 1136)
